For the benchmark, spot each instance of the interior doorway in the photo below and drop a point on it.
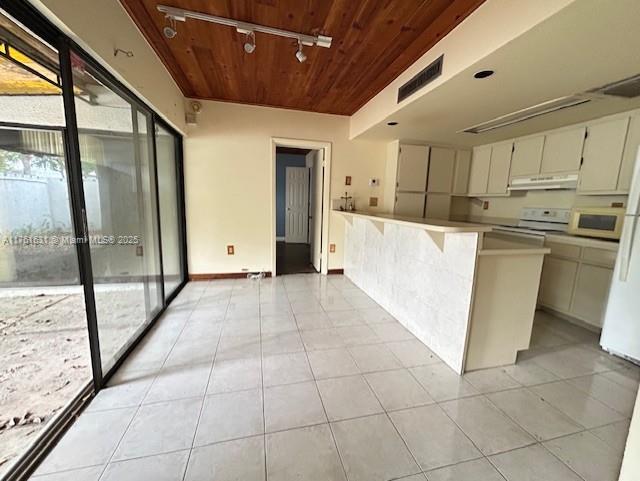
(299, 207)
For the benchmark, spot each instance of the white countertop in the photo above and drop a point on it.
(609, 245)
(435, 225)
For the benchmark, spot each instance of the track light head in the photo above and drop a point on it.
(250, 44)
(300, 54)
(170, 30)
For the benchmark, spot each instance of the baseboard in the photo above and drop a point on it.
(222, 275)
(335, 271)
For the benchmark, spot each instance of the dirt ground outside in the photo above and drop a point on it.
(44, 352)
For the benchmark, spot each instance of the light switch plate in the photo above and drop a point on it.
(373, 201)
(230, 250)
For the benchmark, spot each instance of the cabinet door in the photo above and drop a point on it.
(461, 175)
(591, 292)
(527, 156)
(499, 168)
(413, 165)
(630, 154)
(602, 155)
(562, 151)
(442, 163)
(557, 281)
(409, 204)
(479, 172)
(438, 206)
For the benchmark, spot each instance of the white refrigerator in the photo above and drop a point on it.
(621, 329)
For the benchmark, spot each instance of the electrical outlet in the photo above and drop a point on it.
(373, 201)
(485, 205)
(617, 204)
(230, 250)
(332, 248)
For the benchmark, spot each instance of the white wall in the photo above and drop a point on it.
(99, 26)
(229, 179)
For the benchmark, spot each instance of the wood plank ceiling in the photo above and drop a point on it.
(373, 42)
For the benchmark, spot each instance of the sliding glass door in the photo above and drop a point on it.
(45, 361)
(92, 241)
(116, 153)
(166, 153)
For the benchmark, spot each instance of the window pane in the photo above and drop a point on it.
(169, 219)
(44, 347)
(117, 167)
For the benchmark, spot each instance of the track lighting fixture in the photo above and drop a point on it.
(250, 44)
(300, 54)
(180, 15)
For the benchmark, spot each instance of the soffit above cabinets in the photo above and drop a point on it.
(373, 42)
(568, 54)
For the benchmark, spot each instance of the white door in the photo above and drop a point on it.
(315, 223)
(297, 205)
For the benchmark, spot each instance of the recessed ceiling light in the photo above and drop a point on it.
(483, 74)
(392, 123)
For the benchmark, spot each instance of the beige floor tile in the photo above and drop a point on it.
(303, 454)
(347, 397)
(588, 456)
(372, 450)
(397, 389)
(432, 437)
(292, 406)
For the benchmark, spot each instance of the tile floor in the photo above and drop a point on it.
(304, 378)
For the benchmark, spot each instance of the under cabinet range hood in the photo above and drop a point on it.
(545, 182)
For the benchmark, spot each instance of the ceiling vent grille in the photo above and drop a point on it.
(628, 88)
(427, 75)
(528, 113)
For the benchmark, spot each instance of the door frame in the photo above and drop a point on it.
(326, 194)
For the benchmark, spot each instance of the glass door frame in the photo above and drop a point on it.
(33, 20)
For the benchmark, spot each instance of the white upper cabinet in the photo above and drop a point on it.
(461, 174)
(527, 156)
(413, 165)
(410, 204)
(479, 172)
(499, 168)
(630, 152)
(602, 156)
(442, 163)
(562, 151)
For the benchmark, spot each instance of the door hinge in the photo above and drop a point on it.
(586, 133)
(581, 161)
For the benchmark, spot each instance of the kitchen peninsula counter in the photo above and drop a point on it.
(469, 300)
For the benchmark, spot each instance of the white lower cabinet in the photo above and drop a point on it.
(592, 289)
(558, 279)
(575, 281)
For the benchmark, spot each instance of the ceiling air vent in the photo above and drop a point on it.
(431, 72)
(628, 88)
(528, 113)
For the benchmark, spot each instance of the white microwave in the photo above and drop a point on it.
(603, 222)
